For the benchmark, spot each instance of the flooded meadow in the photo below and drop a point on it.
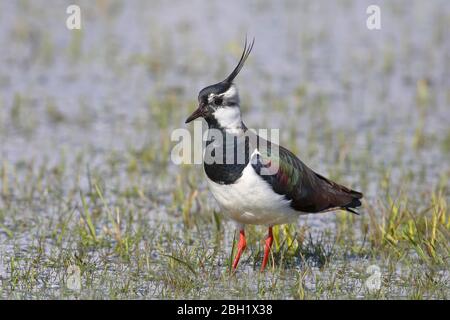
(92, 207)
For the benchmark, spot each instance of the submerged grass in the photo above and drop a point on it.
(135, 230)
(123, 250)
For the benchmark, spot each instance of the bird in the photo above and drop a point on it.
(255, 181)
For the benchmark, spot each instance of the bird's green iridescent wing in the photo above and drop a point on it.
(289, 176)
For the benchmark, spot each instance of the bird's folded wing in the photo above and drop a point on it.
(309, 191)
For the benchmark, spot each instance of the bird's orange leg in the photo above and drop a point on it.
(241, 247)
(267, 247)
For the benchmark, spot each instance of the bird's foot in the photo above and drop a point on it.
(267, 247)
(241, 247)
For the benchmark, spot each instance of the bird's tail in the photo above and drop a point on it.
(355, 201)
(340, 196)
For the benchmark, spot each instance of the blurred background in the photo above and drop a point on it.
(94, 109)
(137, 66)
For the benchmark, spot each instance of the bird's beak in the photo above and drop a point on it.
(196, 114)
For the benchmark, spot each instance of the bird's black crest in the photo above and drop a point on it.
(244, 56)
(224, 85)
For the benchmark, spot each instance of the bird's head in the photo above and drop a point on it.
(218, 104)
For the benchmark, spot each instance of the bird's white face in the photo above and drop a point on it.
(229, 118)
(229, 97)
(225, 108)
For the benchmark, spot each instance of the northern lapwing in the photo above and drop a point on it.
(269, 185)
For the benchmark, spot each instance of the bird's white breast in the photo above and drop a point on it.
(251, 200)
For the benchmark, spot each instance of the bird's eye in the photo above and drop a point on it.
(218, 101)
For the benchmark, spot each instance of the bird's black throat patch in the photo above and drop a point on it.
(231, 157)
